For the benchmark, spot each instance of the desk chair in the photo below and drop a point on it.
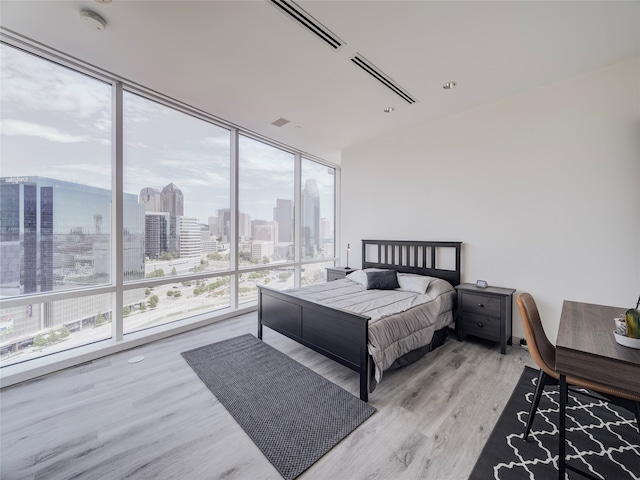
(543, 353)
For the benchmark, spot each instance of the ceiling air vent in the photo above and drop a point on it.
(376, 73)
(308, 22)
(281, 122)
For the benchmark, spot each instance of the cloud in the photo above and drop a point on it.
(20, 127)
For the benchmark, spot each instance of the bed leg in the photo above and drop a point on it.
(365, 378)
(364, 387)
(260, 315)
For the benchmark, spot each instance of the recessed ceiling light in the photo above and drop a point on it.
(389, 110)
(93, 20)
(449, 85)
(102, 1)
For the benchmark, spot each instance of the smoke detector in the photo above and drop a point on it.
(93, 20)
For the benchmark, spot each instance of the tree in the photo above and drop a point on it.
(147, 292)
(64, 332)
(99, 320)
(153, 301)
(156, 273)
(174, 271)
(143, 306)
(126, 311)
(39, 341)
(168, 256)
(170, 293)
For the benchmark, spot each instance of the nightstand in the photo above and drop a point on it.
(485, 313)
(338, 273)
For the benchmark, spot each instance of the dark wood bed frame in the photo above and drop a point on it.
(341, 335)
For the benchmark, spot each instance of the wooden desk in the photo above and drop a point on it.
(586, 348)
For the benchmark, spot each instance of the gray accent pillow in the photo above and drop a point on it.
(385, 280)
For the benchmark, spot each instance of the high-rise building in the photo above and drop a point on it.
(160, 234)
(224, 224)
(267, 232)
(244, 226)
(213, 226)
(325, 227)
(261, 249)
(151, 199)
(172, 200)
(56, 235)
(283, 214)
(63, 225)
(310, 218)
(189, 235)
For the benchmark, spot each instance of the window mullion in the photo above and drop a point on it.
(297, 218)
(234, 217)
(117, 214)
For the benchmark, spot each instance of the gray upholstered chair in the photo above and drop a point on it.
(543, 353)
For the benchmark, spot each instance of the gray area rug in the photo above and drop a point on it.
(291, 413)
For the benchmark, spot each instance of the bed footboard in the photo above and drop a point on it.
(337, 334)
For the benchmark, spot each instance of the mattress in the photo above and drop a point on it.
(401, 321)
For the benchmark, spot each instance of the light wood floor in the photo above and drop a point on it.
(155, 419)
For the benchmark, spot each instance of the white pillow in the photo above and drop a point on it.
(360, 276)
(414, 283)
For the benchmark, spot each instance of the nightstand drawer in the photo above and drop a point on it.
(337, 273)
(482, 326)
(331, 276)
(481, 304)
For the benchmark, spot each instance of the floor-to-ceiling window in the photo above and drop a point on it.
(266, 229)
(317, 232)
(55, 207)
(178, 167)
(207, 211)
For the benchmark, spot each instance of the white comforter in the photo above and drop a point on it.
(401, 321)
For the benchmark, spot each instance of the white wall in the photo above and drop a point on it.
(542, 188)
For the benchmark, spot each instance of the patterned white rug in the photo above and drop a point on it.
(602, 438)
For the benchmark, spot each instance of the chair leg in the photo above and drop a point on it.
(542, 381)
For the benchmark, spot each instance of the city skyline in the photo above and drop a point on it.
(66, 133)
(59, 167)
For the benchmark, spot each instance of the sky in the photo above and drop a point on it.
(56, 123)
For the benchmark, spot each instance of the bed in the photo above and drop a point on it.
(321, 317)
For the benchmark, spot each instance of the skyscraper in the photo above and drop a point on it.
(159, 234)
(224, 224)
(189, 235)
(62, 225)
(310, 218)
(172, 200)
(284, 216)
(151, 199)
(244, 226)
(56, 235)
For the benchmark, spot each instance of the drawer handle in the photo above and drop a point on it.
(480, 324)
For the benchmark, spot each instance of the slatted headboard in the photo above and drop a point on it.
(435, 259)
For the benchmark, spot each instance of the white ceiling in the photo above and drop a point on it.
(248, 63)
